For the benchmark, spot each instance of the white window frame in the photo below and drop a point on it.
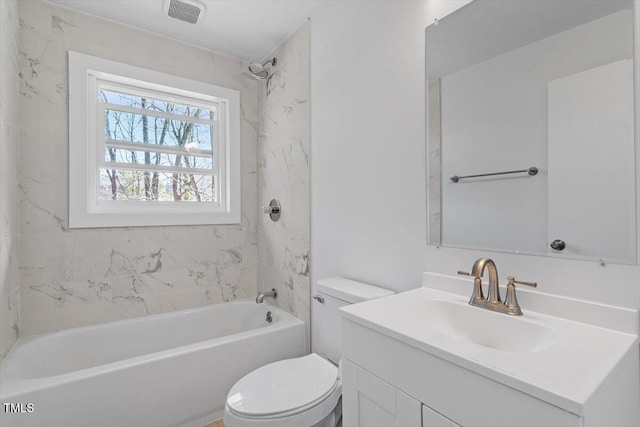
(86, 147)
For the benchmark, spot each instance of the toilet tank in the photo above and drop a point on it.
(331, 295)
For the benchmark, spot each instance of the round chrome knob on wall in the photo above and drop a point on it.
(558, 245)
(273, 209)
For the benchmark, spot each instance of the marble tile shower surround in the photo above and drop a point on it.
(9, 228)
(85, 276)
(283, 173)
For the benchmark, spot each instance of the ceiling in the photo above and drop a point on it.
(245, 29)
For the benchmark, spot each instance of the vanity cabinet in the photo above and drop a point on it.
(373, 402)
(387, 383)
(370, 401)
(431, 418)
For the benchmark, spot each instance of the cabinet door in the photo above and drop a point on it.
(431, 418)
(368, 401)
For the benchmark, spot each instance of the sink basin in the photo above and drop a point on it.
(486, 328)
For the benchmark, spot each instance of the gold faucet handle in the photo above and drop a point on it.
(477, 294)
(511, 302)
(464, 273)
(512, 281)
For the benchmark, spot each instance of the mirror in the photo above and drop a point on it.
(530, 135)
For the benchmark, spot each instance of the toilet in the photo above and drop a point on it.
(305, 391)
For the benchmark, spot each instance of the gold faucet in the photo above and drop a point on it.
(493, 301)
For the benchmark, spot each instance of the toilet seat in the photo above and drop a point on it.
(303, 392)
(284, 388)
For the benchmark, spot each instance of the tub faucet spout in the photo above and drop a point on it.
(262, 295)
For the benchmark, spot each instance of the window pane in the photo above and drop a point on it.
(161, 159)
(156, 186)
(129, 100)
(125, 126)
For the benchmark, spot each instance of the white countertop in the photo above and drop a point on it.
(565, 374)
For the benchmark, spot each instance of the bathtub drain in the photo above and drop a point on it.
(269, 317)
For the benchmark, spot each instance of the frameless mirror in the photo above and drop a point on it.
(530, 133)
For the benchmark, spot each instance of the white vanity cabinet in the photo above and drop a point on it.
(389, 384)
(369, 401)
(431, 418)
(373, 402)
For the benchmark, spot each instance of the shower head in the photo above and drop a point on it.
(261, 71)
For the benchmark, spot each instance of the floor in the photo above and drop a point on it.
(218, 423)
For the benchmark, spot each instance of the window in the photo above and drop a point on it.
(148, 148)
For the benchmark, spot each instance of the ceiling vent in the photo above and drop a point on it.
(190, 11)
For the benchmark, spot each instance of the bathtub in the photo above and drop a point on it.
(172, 369)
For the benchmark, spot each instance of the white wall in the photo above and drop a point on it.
(86, 276)
(368, 190)
(9, 225)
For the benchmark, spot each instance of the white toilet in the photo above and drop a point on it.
(305, 391)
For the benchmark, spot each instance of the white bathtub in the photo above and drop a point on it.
(171, 369)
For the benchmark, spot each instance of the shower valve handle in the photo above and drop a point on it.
(271, 209)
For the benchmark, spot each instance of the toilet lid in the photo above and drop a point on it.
(283, 386)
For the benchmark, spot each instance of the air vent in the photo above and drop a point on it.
(190, 11)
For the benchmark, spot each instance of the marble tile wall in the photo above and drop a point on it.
(283, 174)
(85, 276)
(9, 230)
(434, 167)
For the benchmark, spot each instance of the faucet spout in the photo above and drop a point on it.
(492, 301)
(262, 295)
(493, 296)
